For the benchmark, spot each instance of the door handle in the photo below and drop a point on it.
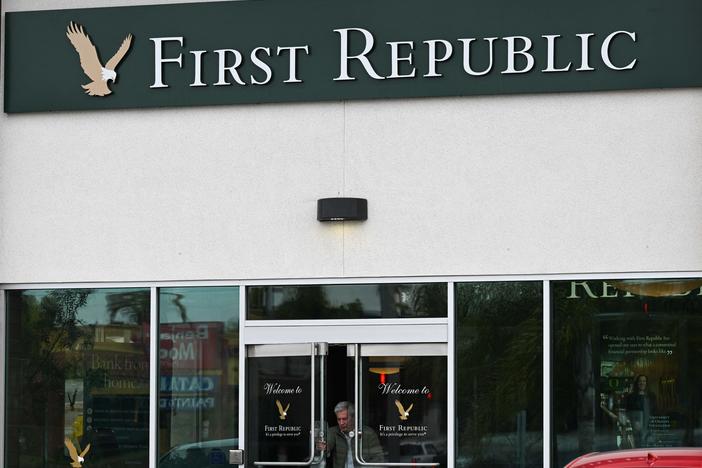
(236, 457)
(312, 459)
(359, 412)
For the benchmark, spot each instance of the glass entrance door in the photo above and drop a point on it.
(285, 401)
(342, 405)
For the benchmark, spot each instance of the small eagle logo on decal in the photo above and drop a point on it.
(404, 413)
(283, 413)
(90, 62)
(73, 452)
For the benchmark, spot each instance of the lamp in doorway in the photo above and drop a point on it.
(342, 209)
(383, 372)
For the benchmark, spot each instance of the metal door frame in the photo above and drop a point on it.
(352, 331)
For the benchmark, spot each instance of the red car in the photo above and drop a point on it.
(641, 458)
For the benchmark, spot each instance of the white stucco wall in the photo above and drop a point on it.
(560, 183)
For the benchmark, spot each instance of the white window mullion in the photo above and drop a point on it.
(153, 378)
(451, 378)
(242, 367)
(3, 342)
(547, 374)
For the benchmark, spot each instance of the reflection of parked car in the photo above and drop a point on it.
(418, 452)
(199, 454)
(651, 457)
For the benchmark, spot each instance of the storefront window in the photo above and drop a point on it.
(499, 374)
(198, 375)
(626, 368)
(404, 403)
(346, 301)
(77, 377)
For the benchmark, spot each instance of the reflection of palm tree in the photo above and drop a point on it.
(44, 331)
(304, 302)
(176, 299)
(499, 363)
(574, 390)
(59, 310)
(179, 305)
(429, 300)
(132, 306)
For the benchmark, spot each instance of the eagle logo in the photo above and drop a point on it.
(283, 413)
(90, 62)
(73, 452)
(404, 413)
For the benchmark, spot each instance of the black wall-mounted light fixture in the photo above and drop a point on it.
(342, 209)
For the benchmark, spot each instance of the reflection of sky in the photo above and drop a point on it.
(96, 310)
(201, 304)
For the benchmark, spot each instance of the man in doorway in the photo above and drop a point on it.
(340, 443)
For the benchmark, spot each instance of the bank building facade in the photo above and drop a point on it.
(374, 233)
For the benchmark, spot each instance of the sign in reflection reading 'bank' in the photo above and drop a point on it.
(289, 50)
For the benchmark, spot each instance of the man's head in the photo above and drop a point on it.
(641, 382)
(345, 413)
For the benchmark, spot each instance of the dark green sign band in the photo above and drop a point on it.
(307, 50)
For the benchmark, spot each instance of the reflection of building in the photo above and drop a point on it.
(197, 387)
(116, 391)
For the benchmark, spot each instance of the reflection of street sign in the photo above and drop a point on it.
(194, 345)
(404, 413)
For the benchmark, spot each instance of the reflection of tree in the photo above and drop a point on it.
(314, 302)
(46, 344)
(573, 381)
(499, 369)
(53, 323)
(429, 300)
(305, 302)
(177, 301)
(131, 307)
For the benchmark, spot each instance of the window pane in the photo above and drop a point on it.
(346, 301)
(499, 374)
(77, 376)
(626, 367)
(198, 375)
(404, 404)
(279, 391)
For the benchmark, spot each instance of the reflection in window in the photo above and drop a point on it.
(77, 377)
(346, 301)
(198, 375)
(499, 374)
(404, 405)
(625, 371)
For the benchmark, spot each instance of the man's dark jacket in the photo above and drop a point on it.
(337, 447)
